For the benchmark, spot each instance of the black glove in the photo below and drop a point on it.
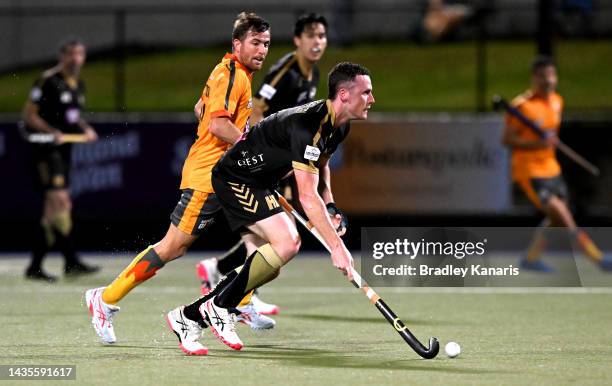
(333, 210)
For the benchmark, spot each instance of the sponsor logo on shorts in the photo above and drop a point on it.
(204, 223)
(271, 201)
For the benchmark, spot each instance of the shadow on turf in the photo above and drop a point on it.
(309, 357)
(362, 319)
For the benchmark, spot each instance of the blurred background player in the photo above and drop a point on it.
(535, 168)
(226, 101)
(441, 17)
(54, 107)
(290, 82)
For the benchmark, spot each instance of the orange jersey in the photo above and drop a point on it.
(546, 113)
(227, 94)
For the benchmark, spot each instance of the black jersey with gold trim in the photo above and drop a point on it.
(301, 137)
(285, 86)
(59, 104)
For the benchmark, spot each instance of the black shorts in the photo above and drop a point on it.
(244, 204)
(195, 211)
(540, 190)
(51, 166)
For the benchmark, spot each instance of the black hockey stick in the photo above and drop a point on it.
(501, 103)
(400, 327)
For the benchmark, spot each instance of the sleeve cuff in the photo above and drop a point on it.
(310, 168)
(220, 113)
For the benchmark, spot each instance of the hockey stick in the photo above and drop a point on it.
(50, 138)
(39, 137)
(400, 327)
(501, 103)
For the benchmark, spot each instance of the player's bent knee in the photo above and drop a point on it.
(296, 243)
(288, 248)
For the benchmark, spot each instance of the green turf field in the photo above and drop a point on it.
(327, 333)
(406, 77)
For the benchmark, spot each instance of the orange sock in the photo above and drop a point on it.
(588, 247)
(537, 246)
(141, 269)
(246, 299)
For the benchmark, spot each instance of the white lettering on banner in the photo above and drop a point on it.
(97, 167)
(113, 148)
(96, 178)
(438, 160)
(424, 166)
(181, 149)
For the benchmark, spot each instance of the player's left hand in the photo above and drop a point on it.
(338, 218)
(551, 139)
(90, 134)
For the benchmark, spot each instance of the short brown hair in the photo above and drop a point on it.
(247, 21)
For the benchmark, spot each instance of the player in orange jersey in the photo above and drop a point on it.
(226, 105)
(535, 168)
(291, 81)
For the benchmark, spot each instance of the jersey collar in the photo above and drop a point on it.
(332, 113)
(244, 68)
(305, 73)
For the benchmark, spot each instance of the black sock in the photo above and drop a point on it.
(233, 259)
(192, 311)
(65, 244)
(255, 272)
(39, 249)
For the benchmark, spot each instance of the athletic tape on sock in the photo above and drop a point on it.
(268, 253)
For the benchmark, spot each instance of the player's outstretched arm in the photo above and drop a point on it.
(513, 140)
(90, 133)
(32, 119)
(316, 212)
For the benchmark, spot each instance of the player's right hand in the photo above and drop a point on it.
(342, 259)
(90, 134)
(59, 137)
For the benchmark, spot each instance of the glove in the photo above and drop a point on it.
(333, 210)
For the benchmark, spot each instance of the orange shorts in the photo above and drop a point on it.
(195, 211)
